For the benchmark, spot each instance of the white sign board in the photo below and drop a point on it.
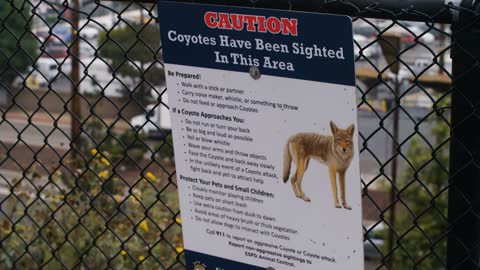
(265, 135)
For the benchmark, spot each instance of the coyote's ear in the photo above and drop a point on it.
(333, 127)
(351, 129)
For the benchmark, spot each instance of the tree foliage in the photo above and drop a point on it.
(422, 221)
(133, 51)
(18, 45)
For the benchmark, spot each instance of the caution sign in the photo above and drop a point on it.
(265, 134)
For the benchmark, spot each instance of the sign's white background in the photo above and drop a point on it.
(323, 229)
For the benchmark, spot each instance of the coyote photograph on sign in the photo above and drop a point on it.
(335, 151)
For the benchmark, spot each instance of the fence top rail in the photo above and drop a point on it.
(438, 11)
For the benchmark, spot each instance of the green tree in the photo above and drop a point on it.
(18, 45)
(422, 221)
(133, 51)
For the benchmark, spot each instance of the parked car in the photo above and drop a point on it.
(375, 241)
(154, 121)
(89, 32)
(43, 72)
(95, 76)
(427, 66)
(369, 47)
(413, 32)
(365, 30)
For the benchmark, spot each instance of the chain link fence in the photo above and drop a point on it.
(87, 174)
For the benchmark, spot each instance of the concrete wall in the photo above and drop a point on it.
(57, 103)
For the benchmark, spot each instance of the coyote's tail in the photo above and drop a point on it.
(287, 163)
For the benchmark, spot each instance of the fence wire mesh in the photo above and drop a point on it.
(87, 175)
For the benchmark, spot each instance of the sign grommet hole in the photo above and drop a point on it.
(255, 73)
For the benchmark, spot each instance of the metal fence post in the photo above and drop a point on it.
(464, 193)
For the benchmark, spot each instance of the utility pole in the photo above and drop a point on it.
(141, 25)
(441, 38)
(391, 44)
(75, 77)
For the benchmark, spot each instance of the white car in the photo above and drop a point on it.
(375, 241)
(369, 47)
(427, 37)
(407, 36)
(426, 66)
(154, 121)
(89, 33)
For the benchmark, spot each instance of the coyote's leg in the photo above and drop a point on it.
(300, 171)
(293, 181)
(341, 174)
(304, 170)
(333, 180)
